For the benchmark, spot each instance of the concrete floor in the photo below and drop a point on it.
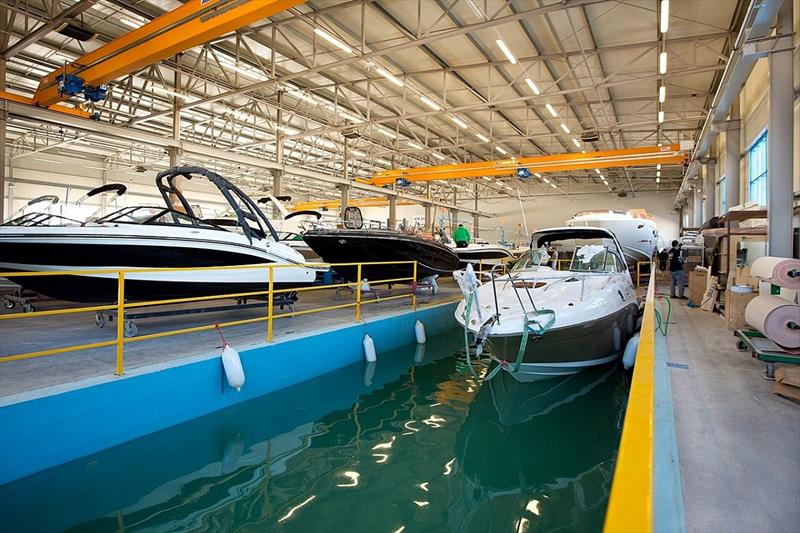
(739, 445)
(40, 333)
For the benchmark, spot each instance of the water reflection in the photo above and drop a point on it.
(410, 443)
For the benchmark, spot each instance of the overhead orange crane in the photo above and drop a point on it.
(194, 23)
(628, 157)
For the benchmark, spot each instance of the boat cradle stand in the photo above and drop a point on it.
(130, 329)
(23, 298)
(428, 283)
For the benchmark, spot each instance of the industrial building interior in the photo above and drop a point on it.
(399, 122)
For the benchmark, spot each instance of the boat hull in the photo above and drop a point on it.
(98, 249)
(348, 246)
(490, 256)
(569, 349)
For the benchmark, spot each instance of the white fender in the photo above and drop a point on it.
(365, 285)
(419, 353)
(419, 331)
(369, 373)
(629, 355)
(232, 365)
(369, 349)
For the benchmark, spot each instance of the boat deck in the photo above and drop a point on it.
(739, 444)
(45, 332)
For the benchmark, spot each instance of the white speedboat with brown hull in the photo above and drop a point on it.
(540, 322)
(635, 230)
(155, 238)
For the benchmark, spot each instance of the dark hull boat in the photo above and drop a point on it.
(154, 238)
(348, 246)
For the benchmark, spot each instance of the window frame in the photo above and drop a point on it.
(758, 168)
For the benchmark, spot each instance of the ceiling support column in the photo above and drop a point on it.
(780, 144)
(711, 190)
(392, 222)
(697, 212)
(3, 123)
(475, 218)
(345, 190)
(731, 192)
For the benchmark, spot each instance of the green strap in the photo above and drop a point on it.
(538, 331)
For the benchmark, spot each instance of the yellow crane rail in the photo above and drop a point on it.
(628, 157)
(194, 23)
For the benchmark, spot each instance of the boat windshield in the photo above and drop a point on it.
(530, 260)
(42, 219)
(595, 258)
(155, 215)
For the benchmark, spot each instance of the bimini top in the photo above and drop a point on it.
(543, 236)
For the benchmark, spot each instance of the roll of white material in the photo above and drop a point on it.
(776, 318)
(778, 270)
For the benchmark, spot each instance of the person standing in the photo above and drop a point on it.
(461, 236)
(678, 277)
(663, 257)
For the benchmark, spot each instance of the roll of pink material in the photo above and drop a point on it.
(777, 270)
(776, 318)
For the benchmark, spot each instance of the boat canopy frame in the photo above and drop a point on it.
(166, 186)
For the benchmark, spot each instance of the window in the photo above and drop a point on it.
(723, 204)
(757, 170)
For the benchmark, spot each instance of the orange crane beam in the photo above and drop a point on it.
(194, 23)
(628, 157)
(316, 205)
(11, 97)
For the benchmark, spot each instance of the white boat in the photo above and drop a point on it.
(480, 252)
(145, 237)
(636, 231)
(537, 321)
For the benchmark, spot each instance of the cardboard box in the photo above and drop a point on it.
(787, 382)
(697, 286)
(735, 304)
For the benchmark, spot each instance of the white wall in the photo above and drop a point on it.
(551, 211)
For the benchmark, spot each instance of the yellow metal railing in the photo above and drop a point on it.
(121, 307)
(630, 505)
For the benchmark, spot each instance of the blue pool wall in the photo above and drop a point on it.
(49, 430)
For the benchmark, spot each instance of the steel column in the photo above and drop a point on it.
(710, 189)
(781, 143)
(392, 212)
(732, 141)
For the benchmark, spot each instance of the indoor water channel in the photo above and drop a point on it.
(413, 442)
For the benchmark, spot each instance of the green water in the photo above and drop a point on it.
(412, 442)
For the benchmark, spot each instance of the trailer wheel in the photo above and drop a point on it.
(9, 304)
(99, 319)
(28, 308)
(741, 346)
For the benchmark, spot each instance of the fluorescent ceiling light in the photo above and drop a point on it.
(576, 142)
(499, 149)
(131, 23)
(664, 16)
(565, 128)
(658, 173)
(482, 137)
(552, 111)
(660, 117)
(658, 180)
(389, 76)
(487, 178)
(333, 40)
(459, 122)
(430, 103)
(475, 9)
(662, 62)
(388, 133)
(358, 153)
(537, 174)
(553, 185)
(415, 145)
(438, 156)
(601, 177)
(662, 93)
(509, 188)
(545, 180)
(597, 170)
(658, 166)
(533, 86)
(506, 51)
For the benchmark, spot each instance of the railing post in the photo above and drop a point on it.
(120, 322)
(270, 296)
(358, 293)
(414, 287)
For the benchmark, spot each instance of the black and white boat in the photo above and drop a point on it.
(355, 244)
(538, 321)
(148, 237)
